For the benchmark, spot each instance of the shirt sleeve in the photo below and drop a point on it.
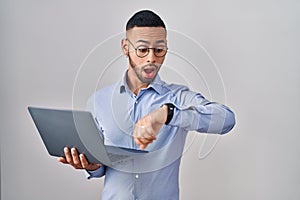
(194, 112)
(96, 173)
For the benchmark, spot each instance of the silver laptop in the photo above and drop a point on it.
(70, 128)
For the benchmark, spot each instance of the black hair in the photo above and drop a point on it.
(145, 18)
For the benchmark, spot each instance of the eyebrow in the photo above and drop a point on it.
(147, 42)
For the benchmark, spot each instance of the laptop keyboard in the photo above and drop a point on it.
(116, 157)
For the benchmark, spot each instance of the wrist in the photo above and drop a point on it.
(164, 115)
(160, 115)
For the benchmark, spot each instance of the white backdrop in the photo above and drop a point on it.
(255, 45)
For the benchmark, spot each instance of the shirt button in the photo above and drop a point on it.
(136, 102)
(136, 176)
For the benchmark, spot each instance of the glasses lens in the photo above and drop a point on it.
(142, 51)
(160, 52)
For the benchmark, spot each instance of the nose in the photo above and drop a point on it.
(151, 57)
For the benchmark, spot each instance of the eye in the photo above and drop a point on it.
(142, 49)
(159, 50)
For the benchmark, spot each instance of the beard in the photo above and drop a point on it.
(139, 70)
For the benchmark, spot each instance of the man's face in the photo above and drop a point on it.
(145, 68)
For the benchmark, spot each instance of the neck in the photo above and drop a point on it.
(134, 84)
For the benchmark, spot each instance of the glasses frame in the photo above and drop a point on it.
(148, 50)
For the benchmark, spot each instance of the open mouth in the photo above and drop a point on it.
(150, 72)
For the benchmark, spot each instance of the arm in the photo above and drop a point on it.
(192, 112)
(203, 116)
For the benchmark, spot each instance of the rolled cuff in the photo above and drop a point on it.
(96, 173)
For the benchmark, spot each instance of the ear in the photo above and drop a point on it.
(124, 47)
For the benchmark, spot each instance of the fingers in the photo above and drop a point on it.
(141, 140)
(71, 158)
(142, 144)
(145, 139)
(75, 158)
(62, 160)
(83, 160)
(86, 165)
(68, 155)
(147, 128)
(78, 161)
(143, 135)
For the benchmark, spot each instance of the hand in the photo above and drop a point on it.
(77, 161)
(146, 129)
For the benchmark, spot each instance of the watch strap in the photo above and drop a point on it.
(170, 112)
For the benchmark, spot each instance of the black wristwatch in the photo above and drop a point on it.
(170, 112)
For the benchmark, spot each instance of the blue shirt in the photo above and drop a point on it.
(154, 176)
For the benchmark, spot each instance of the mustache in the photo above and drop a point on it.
(150, 65)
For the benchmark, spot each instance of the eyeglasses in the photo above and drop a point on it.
(144, 51)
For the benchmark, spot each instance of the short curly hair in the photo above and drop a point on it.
(145, 18)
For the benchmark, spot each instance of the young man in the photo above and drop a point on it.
(143, 112)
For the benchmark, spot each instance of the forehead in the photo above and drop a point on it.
(150, 34)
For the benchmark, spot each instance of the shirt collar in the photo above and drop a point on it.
(156, 84)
